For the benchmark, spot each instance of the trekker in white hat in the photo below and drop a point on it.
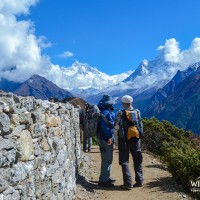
(127, 99)
(130, 130)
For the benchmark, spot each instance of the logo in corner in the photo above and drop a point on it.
(195, 185)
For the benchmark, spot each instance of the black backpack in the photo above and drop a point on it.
(91, 119)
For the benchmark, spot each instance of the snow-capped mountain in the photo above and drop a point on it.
(155, 104)
(146, 79)
(178, 101)
(81, 76)
(152, 73)
(87, 82)
(141, 70)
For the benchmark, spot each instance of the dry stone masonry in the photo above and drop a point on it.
(39, 148)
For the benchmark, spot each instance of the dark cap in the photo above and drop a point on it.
(107, 100)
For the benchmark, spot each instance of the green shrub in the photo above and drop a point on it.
(94, 140)
(184, 164)
(178, 148)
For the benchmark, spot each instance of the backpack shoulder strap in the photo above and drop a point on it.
(138, 113)
(140, 123)
(103, 117)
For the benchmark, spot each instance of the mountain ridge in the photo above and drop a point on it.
(182, 106)
(162, 94)
(36, 86)
(146, 95)
(83, 76)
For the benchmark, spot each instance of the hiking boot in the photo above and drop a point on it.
(125, 187)
(111, 180)
(106, 184)
(138, 185)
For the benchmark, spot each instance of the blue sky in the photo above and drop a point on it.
(42, 36)
(114, 35)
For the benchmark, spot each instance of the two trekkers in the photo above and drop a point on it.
(130, 128)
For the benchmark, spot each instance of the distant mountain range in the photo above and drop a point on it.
(179, 101)
(155, 104)
(81, 76)
(142, 83)
(159, 89)
(36, 86)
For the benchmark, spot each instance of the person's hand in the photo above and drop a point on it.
(109, 142)
(119, 113)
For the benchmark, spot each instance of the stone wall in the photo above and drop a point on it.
(39, 148)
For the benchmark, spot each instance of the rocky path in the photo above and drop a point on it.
(158, 183)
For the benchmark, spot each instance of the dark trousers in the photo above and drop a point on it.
(87, 142)
(134, 147)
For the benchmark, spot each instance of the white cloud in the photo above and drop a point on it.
(21, 56)
(14, 7)
(43, 42)
(171, 52)
(66, 54)
(20, 49)
(191, 55)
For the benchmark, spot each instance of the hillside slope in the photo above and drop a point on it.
(182, 108)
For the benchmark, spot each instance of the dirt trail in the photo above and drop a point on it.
(158, 183)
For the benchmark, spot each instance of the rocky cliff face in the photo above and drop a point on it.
(39, 148)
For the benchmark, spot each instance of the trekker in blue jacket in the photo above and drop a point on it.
(106, 140)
